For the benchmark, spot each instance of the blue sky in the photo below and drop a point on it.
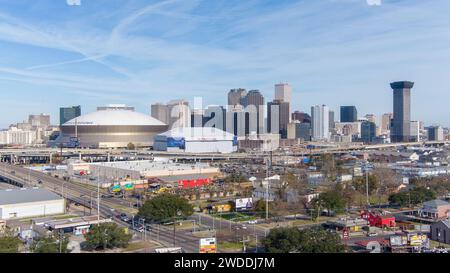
(334, 52)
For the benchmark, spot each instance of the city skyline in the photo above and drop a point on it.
(56, 55)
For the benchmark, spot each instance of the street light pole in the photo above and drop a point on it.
(98, 198)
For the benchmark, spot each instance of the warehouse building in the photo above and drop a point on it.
(23, 203)
(196, 140)
(113, 126)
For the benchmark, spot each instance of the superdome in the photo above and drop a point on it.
(113, 126)
(114, 117)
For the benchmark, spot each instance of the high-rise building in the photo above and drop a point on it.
(320, 123)
(386, 122)
(175, 113)
(283, 92)
(415, 131)
(254, 104)
(160, 112)
(235, 97)
(278, 117)
(331, 120)
(371, 118)
(39, 121)
(301, 116)
(303, 131)
(349, 114)
(215, 116)
(368, 131)
(401, 123)
(436, 133)
(68, 113)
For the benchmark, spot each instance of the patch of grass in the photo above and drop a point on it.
(436, 244)
(138, 245)
(230, 245)
(235, 217)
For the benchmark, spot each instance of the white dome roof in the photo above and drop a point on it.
(118, 117)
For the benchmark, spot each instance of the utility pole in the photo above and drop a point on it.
(367, 183)
(98, 198)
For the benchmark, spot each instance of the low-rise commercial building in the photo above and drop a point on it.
(22, 203)
(196, 140)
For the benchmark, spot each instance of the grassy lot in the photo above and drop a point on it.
(436, 244)
(139, 245)
(235, 217)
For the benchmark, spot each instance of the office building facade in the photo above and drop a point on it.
(68, 113)
(349, 114)
(401, 123)
(320, 123)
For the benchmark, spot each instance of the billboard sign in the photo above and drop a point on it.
(396, 241)
(244, 204)
(208, 245)
(116, 188)
(129, 187)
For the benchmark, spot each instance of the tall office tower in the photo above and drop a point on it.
(303, 131)
(331, 120)
(368, 131)
(175, 113)
(386, 122)
(215, 116)
(401, 126)
(39, 121)
(235, 97)
(436, 133)
(179, 114)
(415, 131)
(278, 117)
(68, 113)
(301, 116)
(160, 112)
(254, 102)
(198, 118)
(283, 93)
(371, 118)
(349, 114)
(320, 123)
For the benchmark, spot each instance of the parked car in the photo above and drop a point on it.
(253, 222)
(372, 234)
(124, 217)
(107, 196)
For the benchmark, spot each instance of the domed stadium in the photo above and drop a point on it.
(113, 126)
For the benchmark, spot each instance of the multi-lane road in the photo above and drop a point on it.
(113, 206)
(84, 196)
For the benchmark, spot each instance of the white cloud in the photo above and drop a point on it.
(374, 2)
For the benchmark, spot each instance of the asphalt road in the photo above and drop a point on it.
(82, 195)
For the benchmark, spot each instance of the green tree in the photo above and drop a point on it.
(165, 207)
(106, 236)
(332, 200)
(412, 197)
(131, 146)
(360, 184)
(9, 244)
(282, 240)
(50, 244)
(319, 240)
(310, 240)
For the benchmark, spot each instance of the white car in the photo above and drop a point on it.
(253, 222)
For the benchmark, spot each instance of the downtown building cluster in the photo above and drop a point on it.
(255, 122)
